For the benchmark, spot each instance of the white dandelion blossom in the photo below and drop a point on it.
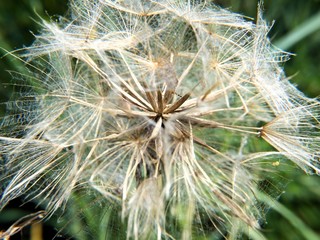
(160, 107)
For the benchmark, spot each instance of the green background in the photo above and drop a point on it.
(20, 19)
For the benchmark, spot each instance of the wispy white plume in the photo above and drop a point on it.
(161, 107)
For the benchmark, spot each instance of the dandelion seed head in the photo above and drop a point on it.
(160, 107)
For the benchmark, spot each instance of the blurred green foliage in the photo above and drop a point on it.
(20, 19)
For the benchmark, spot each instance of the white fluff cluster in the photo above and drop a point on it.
(173, 109)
